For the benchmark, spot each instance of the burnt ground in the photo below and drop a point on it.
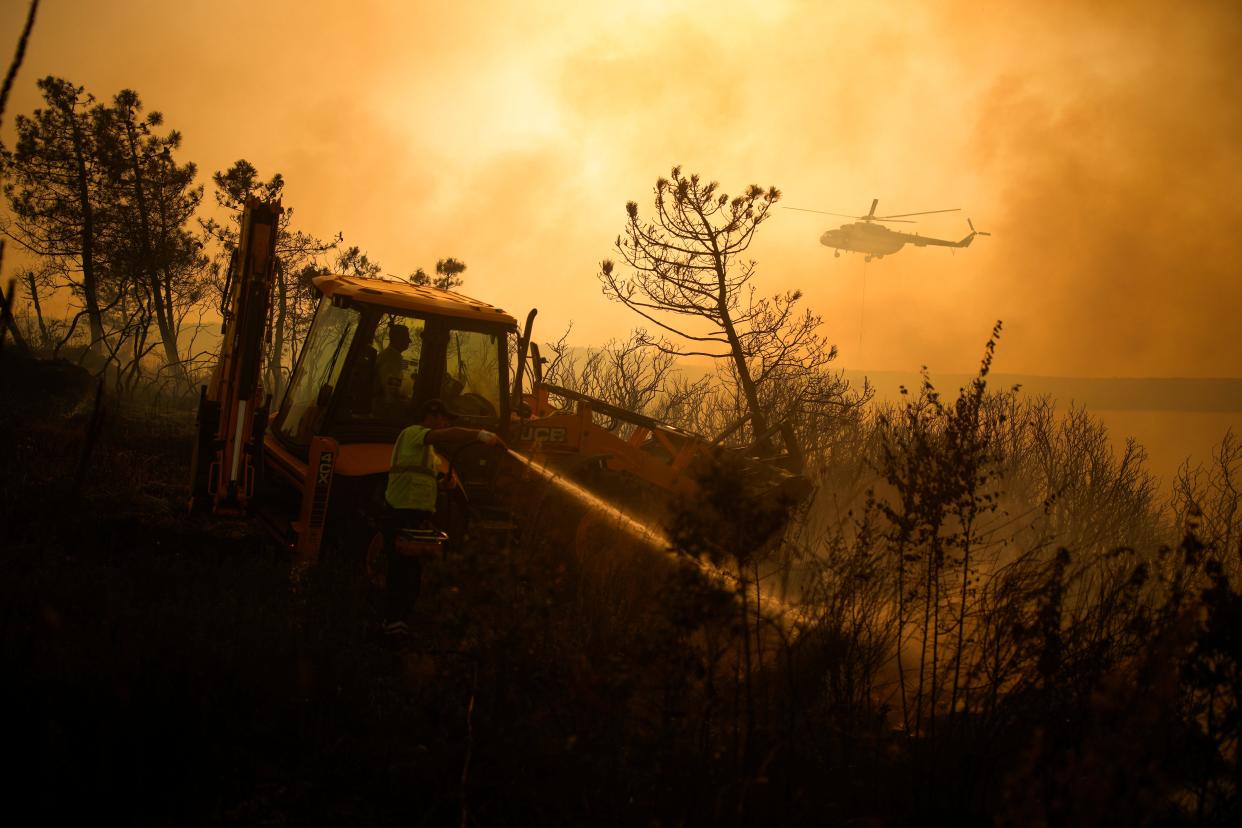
(160, 668)
(144, 652)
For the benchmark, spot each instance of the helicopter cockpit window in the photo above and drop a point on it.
(471, 386)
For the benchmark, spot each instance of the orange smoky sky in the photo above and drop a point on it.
(1098, 142)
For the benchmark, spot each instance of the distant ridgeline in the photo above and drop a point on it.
(1096, 394)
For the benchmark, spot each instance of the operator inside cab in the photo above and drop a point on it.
(390, 373)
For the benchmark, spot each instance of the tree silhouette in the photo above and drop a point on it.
(688, 276)
(155, 198)
(448, 275)
(95, 192)
(353, 261)
(55, 189)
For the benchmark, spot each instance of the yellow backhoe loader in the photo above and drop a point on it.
(375, 351)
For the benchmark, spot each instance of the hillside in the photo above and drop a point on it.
(1094, 393)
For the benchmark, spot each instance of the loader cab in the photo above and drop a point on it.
(376, 350)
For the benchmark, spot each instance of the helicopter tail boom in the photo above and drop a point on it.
(924, 241)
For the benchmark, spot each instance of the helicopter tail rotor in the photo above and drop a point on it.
(973, 232)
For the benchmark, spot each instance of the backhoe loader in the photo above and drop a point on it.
(376, 350)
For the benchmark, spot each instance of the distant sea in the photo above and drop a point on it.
(1176, 419)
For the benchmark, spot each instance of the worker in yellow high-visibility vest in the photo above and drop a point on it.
(411, 497)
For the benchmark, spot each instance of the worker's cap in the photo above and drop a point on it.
(435, 406)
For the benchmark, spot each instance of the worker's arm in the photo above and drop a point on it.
(457, 436)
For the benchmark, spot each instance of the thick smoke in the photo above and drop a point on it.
(1099, 142)
(1121, 171)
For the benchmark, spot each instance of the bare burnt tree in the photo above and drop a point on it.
(1068, 481)
(130, 341)
(688, 275)
(626, 373)
(960, 570)
(19, 56)
(40, 325)
(1208, 500)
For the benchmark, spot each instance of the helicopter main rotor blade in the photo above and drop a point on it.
(821, 212)
(924, 213)
(900, 217)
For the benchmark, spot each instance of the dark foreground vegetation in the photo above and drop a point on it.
(984, 616)
(988, 617)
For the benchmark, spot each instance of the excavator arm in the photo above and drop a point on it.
(233, 410)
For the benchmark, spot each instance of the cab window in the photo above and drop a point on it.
(323, 355)
(471, 383)
(387, 371)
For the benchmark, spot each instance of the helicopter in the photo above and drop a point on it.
(865, 235)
